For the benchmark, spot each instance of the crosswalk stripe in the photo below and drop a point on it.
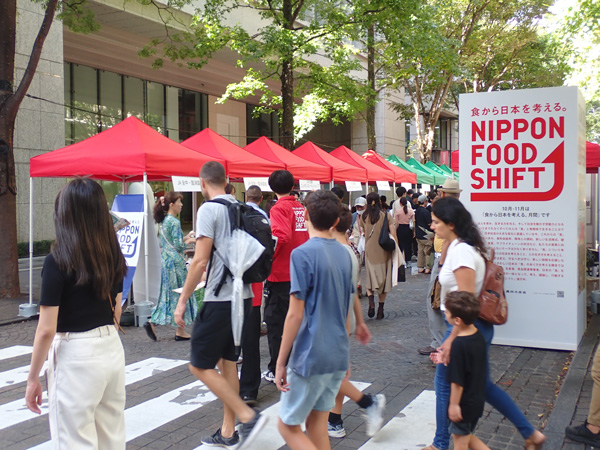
(14, 351)
(412, 429)
(17, 375)
(16, 412)
(154, 413)
(269, 438)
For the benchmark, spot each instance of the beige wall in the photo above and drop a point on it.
(40, 123)
(228, 119)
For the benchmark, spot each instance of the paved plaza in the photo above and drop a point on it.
(167, 408)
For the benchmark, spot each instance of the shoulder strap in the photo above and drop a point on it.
(226, 271)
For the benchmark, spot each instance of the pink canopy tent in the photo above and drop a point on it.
(374, 172)
(124, 152)
(341, 171)
(400, 175)
(301, 168)
(238, 162)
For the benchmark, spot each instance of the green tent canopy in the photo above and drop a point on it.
(446, 169)
(422, 177)
(437, 169)
(438, 177)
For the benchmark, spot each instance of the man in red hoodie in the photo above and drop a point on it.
(287, 224)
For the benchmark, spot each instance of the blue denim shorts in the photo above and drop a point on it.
(315, 392)
(462, 428)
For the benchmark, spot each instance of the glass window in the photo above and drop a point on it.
(264, 125)
(111, 101)
(133, 93)
(190, 116)
(84, 102)
(155, 93)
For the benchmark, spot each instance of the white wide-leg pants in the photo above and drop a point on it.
(86, 390)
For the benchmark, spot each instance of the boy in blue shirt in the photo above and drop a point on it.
(321, 284)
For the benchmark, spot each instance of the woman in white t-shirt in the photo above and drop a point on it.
(464, 270)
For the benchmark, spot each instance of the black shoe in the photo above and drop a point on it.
(217, 440)
(181, 338)
(150, 331)
(250, 430)
(581, 433)
(427, 350)
(249, 400)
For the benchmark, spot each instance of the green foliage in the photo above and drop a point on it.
(40, 248)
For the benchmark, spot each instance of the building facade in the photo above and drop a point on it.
(85, 83)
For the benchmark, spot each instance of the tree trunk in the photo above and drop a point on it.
(9, 265)
(10, 100)
(287, 103)
(371, 135)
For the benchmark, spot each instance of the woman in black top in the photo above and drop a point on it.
(80, 303)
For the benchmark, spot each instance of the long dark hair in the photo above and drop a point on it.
(373, 210)
(86, 243)
(403, 202)
(451, 211)
(161, 208)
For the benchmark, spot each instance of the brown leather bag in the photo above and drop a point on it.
(494, 307)
(435, 294)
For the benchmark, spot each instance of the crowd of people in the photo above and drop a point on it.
(310, 303)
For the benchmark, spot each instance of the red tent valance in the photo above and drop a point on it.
(121, 153)
(301, 168)
(400, 175)
(341, 171)
(374, 172)
(238, 162)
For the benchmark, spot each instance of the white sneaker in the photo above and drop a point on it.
(374, 415)
(269, 376)
(336, 431)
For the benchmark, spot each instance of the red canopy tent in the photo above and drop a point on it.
(301, 168)
(124, 152)
(454, 161)
(592, 154)
(238, 162)
(340, 170)
(400, 175)
(374, 172)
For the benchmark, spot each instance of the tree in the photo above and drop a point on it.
(11, 97)
(480, 44)
(301, 45)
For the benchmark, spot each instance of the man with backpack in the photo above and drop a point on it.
(212, 338)
(289, 228)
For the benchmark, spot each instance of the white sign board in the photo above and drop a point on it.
(262, 183)
(186, 184)
(383, 186)
(354, 186)
(130, 237)
(310, 185)
(522, 171)
(406, 186)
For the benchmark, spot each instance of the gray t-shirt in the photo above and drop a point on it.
(213, 222)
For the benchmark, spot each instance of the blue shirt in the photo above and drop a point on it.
(256, 207)
(321, 276)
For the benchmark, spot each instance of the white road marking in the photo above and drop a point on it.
(14, 351)
(269, 438)
(412, 429)
(16, 412)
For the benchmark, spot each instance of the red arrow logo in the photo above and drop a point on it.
(557, 159)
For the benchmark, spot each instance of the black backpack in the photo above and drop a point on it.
(255, 224)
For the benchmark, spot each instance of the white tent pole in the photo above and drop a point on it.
(30, 240)
(350, 200)
(146, 231)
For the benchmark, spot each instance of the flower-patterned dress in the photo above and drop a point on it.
(172, 275)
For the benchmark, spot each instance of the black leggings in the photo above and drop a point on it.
(405, 238)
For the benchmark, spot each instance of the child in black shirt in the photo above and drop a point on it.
(466, 371)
